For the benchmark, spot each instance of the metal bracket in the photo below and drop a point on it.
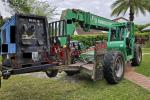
(0, 75)
(0, 78)
(98, 68)
(99, 54)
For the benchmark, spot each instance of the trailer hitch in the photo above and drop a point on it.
(7, 72)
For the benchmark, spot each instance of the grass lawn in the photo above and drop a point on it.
(29, 88)
(146, 50)
(144, 68)
(82, 88)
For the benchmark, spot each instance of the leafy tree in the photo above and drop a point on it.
(43, 8)
(37, 7)
(20, 6)
(139, 28)
(134, 7)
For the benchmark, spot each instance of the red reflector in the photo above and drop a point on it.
(103, 45)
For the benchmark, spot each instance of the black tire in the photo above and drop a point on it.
(51, 73)
(71, 73)
(136, 61)
(113, 72)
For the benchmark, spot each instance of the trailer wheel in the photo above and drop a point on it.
(5, 61)
(71, 73)
(51, 73)
(114, 65)
(137, 56)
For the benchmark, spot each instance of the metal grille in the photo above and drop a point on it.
(57, 28)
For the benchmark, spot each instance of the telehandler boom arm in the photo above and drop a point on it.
(86, 20)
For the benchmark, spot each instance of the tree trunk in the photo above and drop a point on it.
(1, 21)
(131, 14)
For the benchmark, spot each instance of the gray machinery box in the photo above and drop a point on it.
(24, 41)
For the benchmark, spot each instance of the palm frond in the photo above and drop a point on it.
(122, 8)
(118, 2)
(135, 6)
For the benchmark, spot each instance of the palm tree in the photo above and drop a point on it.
(134, 7)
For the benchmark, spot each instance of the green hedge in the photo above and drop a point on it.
(147, 44)
(142, 33)
(89, 40)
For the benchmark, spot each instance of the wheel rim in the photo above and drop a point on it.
(49, 71)
(119, 66)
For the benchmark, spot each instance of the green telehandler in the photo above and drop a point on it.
(105, 58)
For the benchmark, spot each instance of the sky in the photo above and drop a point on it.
(98, 7)
(4, 9)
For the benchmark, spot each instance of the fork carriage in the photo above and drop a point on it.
(95, 69)
(74, 64)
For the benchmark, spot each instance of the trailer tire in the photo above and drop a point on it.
(71, 73)
(51, 73)
(114, 65)
(137, 56)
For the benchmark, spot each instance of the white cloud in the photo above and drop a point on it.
(98, 7)
(4, 9)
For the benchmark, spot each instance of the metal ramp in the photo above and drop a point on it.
(93, 69)
(88, 67)
(76, 65)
